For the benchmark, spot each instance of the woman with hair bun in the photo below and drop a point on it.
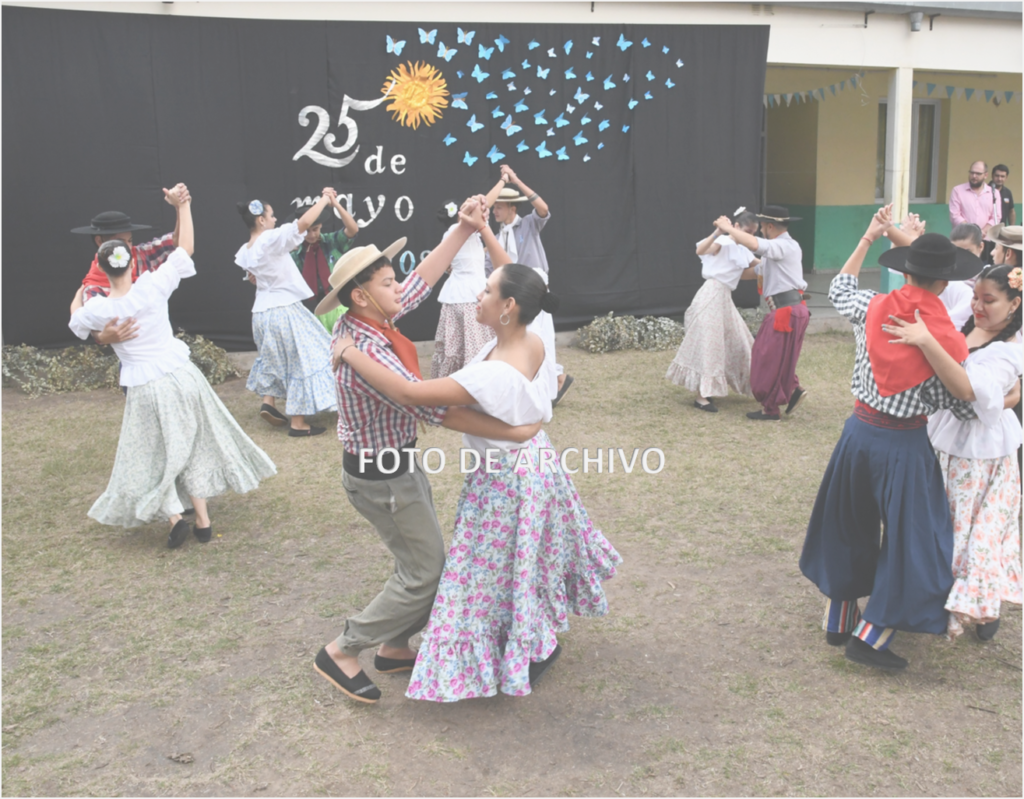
(294, 348)
(459, 335)
(179, 445)
(524, 554)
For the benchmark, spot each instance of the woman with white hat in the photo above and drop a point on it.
(293, 360)
(179, 445)
(1009, 240)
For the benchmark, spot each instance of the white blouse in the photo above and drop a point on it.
(278, 282)
(502, 391)
(467, 278)
(155, 351)
(727, 265)
(957, 297)
(996, 432)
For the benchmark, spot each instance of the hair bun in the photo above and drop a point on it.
(243, 208)
(550, 302)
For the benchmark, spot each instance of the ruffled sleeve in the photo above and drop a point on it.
(170, 274)
(501, 392)
(282, 239)
(992, 371)
(86, 319)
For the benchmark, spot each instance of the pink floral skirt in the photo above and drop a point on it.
(459, 337)
(984, 501)
(524, 556)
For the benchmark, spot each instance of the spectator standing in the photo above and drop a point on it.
(1007, 210)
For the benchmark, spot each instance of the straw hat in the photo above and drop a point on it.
(1008, 235)
(510, 196)
(351, 264)
(777, 213)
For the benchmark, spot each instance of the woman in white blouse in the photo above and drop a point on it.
(459, 335)
(294, 359)
(179, 445)
(978, 457)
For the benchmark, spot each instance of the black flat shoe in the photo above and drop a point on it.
(178, 534)
(312, 431)
(986, 632)
(709, 406)
(837, 639)
(189, 512)
(271, 414)
(795, 399)
(360, 687)
(385, 665)
(203, 534)
(761, 416)
(537, 669)
(561, 392)
(867, 655)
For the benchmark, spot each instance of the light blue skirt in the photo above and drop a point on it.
(294, 360)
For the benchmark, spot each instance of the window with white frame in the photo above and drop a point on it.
(924, 152)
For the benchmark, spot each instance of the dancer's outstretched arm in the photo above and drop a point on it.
(466, 420)
(308, 219)
(471, 220)
(537, 201)
(705, 246)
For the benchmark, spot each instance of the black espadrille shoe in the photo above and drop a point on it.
(360, 687)
(385, 665)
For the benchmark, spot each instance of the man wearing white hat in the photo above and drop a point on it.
(382, 477)
(519, 237)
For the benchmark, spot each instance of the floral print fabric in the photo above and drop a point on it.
(524, 556)
(984, 502)
(459, 338)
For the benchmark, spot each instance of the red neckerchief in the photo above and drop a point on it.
(899, 367)
(403, 347)
(97, 277)
(314, 269)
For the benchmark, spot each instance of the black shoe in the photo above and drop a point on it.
(867, 655)
(271, 414)
(795, 399)
(203, 534)
(761, 416)
(312, 431)
(178, 534)
(360, 687)
(189, 512)
(385, 665)
(837, 639)
(537, 669)
(708, 406)
(561, 392)
(986, 632)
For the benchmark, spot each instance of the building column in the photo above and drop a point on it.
(899, 117)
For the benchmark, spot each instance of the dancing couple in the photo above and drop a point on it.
(524, 554)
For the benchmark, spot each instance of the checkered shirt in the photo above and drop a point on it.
(367, 419)
(148, 258)
(925, 398)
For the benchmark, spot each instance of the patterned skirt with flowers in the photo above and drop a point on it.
(524, 556)
(984, 501)
(459, 338)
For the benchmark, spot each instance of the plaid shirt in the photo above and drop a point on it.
(367, 419)
(148, 258)
(925, 398)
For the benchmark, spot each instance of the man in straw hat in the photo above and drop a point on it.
(776, 349)
(519, 237)
(146, 257)
(383, 478)
(881, 525)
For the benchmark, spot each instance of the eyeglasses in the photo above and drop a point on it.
(975, 173)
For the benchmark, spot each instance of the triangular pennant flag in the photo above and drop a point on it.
(778, 99)
(988, 95)
(771, 100)
(949, 92)
(832, 89)
(789, 99)
(969, 93)
(764, 100)
(842, 85)
(1008, 96)
(930, 87)
(1017, 97)
(959, 92)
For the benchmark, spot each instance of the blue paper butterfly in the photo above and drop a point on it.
(494, 155)
(569, 108)
(589, 54)
(648, 96)
(473, 125)
(491, 96)
(679, 63)
(650, 75)
(538, 118)
(395, 47)
(561, 121)
(466, 38)
(623, 44)
(608, 84)
(522, 146)
(521, 106)
(497, 112)
(484, 52)
(586, 157)
(542, 150)
(580, 95)
(533, 45)
(526, 64)
(645, 43)
(542, 73)
(508, 74)
(598, 106)
(569, 74)
(601, 145)
(501, 41)
(479, 74)
(625, 78)
(590, 76)
(551, 131)
(625, 128)
(633, 104)
(509, 128)
(604, 124)
(445, 52)
(469, 160)
(586, 120)
(459, 101)
(568, 46)
(511, 87)
(665, 49)
(460, 73)
(561, 154)
(427, 38)
(449, 140)
(527, 90)
(596, 41)
(579, 139)
(669, 83)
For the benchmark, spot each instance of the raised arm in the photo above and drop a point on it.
(492, 195)
(471, 220)
(308, 219)
(878, 224)
(351, 227)
(953, 375)
(725, 224)
(538, 204)
(183, 231)
(495, 251)
(704, 246)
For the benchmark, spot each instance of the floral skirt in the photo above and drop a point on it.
(459, 338)
(715, 353)
(524, 556)
(984, 501)
(294, 360)
(177, 440)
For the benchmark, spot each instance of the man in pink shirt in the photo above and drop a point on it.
(974, 201)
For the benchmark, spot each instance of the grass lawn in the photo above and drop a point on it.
(710, 675)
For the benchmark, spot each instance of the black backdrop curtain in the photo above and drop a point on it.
(102, 109)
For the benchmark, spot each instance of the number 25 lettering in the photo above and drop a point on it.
(324, 122)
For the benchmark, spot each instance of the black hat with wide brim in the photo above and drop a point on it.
(934, 257)
(777, 213)
(109, 223)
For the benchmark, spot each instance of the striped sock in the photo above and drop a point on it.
(877, 637)
(840, 616)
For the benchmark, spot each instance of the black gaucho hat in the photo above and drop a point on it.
(934, 257)
(777, 213)
(108, 223)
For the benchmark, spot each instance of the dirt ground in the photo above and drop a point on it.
(709, 676)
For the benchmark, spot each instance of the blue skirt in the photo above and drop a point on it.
(881, 527)
(294, 360)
